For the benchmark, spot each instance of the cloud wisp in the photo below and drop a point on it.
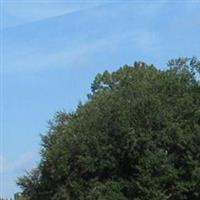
(80, 54)
(21, 12)
(22, 163)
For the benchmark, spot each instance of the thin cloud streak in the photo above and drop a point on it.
(18, 13)
(21, 164)
(80, 55)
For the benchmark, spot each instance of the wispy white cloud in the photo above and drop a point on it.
(81, 54)
(19, 12)
(22, 163)
(25, 57)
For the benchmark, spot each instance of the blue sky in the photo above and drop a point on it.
(51, 51)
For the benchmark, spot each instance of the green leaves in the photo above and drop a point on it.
(136, 138)
(106, 191)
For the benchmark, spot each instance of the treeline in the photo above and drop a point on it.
(136, 138)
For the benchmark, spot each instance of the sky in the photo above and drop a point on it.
(51, 51)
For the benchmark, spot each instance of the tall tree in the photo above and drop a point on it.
(136, 138)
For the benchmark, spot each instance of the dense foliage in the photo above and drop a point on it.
(136, 138)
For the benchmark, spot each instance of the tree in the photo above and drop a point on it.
(136, 138)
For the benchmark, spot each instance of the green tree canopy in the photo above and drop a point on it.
(136, 138)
